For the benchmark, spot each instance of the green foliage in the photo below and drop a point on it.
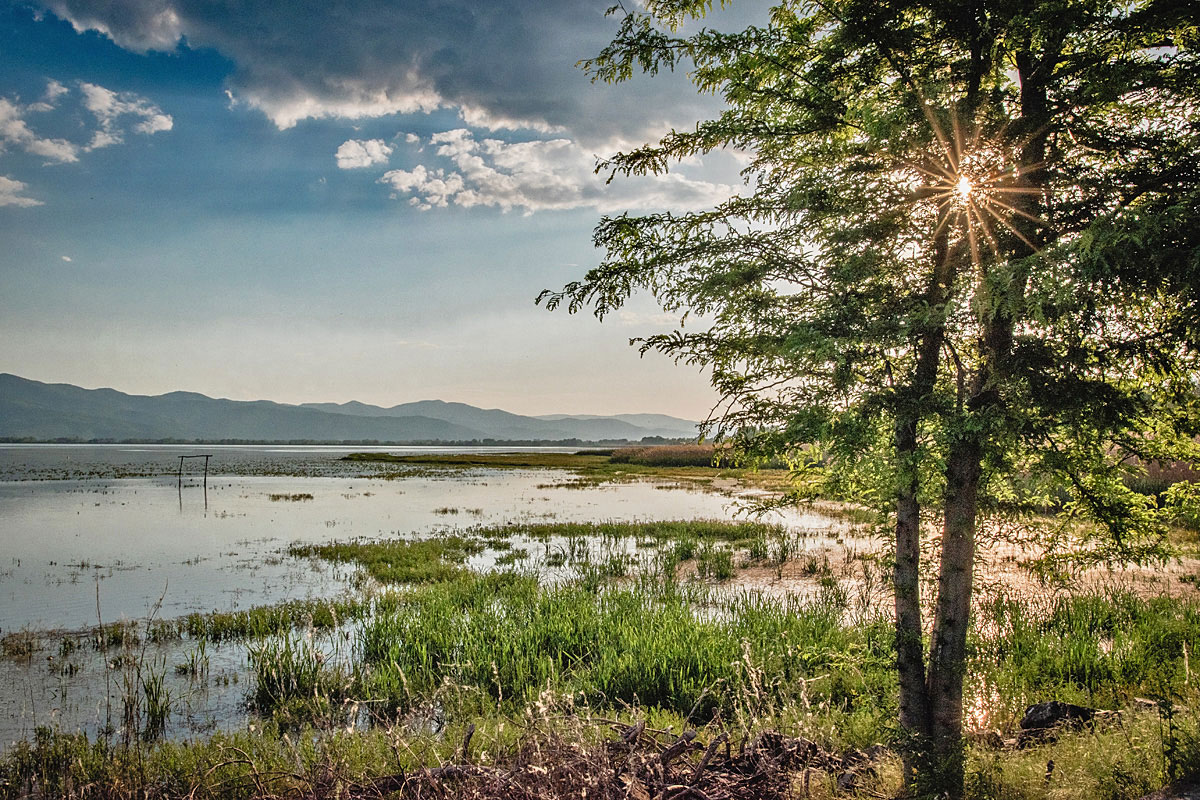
(1183, 500)
(1059, 295)
(962, 277)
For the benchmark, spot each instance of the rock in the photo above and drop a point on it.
(1042, 720)
(847, 781)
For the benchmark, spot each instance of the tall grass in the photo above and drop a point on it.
(681, 455)
(652, 643)
(292, 675)
(1097, 649)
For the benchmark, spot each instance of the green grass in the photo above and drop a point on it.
(1100, 650)
(296, 497)
(518, 660)
(621, 639)
(293, 681)
(504, 637)
(437, 560)
(666, 531)
(260, 621)
(399, 561)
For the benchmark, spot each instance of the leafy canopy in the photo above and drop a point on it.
(1018, 178)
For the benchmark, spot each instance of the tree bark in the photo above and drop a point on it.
(906, 575)
(948, 648)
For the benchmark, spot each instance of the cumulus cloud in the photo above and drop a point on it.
(359, 153)
(54, 90)
(545, 174)
(15, 132)
(114, 114)
(133, 24)
(501, 64)
(110, 107)
(11, 194)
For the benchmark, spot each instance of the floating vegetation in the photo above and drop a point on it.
(399, 561)
(21, 644)
(294, 497)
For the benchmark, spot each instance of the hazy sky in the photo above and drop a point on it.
(324, 200)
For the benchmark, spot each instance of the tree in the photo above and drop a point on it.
(961, 285)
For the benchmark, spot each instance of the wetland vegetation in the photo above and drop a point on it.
(605, 628)
(485, 657)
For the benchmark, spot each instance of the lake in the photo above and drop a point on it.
(102, 533)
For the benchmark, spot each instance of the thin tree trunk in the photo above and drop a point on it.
(910, 656)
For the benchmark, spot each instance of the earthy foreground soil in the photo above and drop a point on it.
(638, 764)
(1188, 791)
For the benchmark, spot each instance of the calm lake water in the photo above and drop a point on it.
(106, 532)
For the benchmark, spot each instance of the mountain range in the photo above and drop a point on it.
(32, 410)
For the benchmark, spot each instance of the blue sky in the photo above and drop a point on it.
(325, 201)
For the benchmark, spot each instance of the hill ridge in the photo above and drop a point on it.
(32, 409)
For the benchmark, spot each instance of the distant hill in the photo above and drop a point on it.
(41, 411)
(505, 425)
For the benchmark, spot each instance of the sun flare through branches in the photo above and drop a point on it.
(980, 186)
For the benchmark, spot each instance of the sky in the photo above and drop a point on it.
(321, 201)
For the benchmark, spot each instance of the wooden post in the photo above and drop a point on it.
(179, 477)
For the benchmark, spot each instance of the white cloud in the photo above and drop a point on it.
(10, 194)
(479, 117)
(15, 132)
(109, 107)
(287, 104)
(411, 138)
(429, 188)
(545, 174)
(115, 113)
(133, 25)
(54, 90)
(67, 259)
(358, 153)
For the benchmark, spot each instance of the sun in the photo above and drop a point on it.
(976, 182)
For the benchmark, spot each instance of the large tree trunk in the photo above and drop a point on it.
(948, 649)
(906, 575)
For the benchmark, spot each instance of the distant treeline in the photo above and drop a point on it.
(647, 440)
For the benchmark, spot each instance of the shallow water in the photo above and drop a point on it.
(125, 543)
(90, 461)
(81, 542)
